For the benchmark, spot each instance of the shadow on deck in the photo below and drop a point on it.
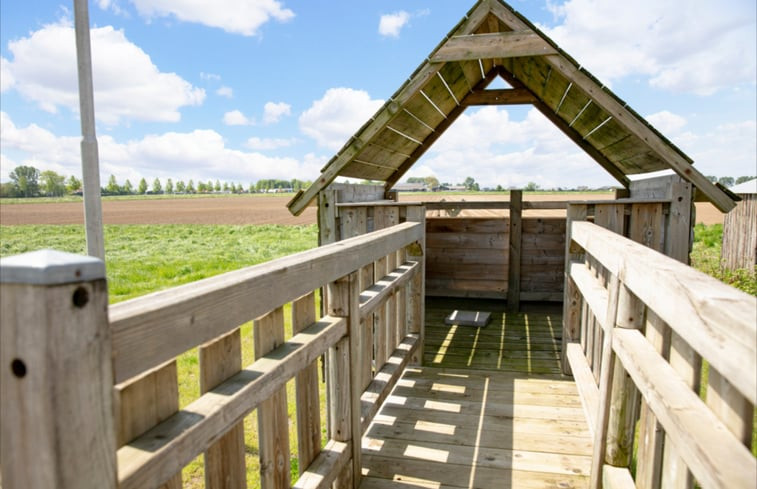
(489, 408)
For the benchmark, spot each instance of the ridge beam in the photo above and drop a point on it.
(492, 45)
(505, 96)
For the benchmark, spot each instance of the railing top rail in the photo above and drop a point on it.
(718, 321)
(155, 328)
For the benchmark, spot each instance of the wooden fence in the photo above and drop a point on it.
(638, 326)
(91, 398)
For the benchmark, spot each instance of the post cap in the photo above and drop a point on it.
(50, 267)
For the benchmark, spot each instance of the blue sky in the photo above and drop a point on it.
(239, 90)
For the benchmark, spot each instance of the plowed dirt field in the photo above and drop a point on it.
(237, 210)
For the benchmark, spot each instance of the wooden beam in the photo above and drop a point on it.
(572, 134)
(511, 96)
(492, 45)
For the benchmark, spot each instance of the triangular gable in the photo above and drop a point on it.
(493, 41)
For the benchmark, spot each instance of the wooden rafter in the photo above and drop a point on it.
(505, 96)
(431, 138)
(492, 45)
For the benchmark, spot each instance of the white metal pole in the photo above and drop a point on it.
(93, 219)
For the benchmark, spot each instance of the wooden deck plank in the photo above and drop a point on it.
(502, 423)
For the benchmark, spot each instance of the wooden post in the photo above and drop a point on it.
(327, 217)
(572, 302)
(56, 381)
(224, 460)
(417, 313)
(344, 376)
(514, 253)
(273, 419)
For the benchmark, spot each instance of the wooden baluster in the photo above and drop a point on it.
(224, 460)
(273, 420)
(307, 395)
(572, 304)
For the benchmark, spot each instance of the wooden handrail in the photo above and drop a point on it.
(717, 320)
(150, 330)
(633, 294)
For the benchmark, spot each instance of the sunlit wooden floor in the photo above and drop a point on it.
(488, 410)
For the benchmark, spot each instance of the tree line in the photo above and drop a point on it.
(27, 181)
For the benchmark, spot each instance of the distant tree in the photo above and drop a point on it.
(112, 187)
(128, 188)
(169, 186)
(142, 187)
(500, 188)
(744, 179)
(712, 178)
(25, 179)
(8, 189)
(416, 180)
(181, 187)
(202, 187)
(531, 186)
(470, 184)
(726, 181)
(431, 182)
(225, 186)
(217, 187)
(251, 188)
(191, 187)
(73, 184)
(157, 188)
(52, 184)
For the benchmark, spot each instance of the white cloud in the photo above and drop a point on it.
(666, 122)
(199, 154)
(7, 80)
(331, 120)
(209, 76)
(127, 83)
(225, 92)
(235, 16)
(237, 118)
(273, 112)
(390, 25)
(700, 48)
(264, 144)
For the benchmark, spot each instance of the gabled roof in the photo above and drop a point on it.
(493, 40)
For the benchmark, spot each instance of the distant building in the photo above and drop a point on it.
(410, 187)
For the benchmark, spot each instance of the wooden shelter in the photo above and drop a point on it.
(544, 396)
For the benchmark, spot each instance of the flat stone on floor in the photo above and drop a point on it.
(478, 319)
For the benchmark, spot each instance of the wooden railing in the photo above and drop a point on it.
(90, 396)
(654, 322)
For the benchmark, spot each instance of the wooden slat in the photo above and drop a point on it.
(224, 460)
(493, 45)
(153, 329)
(717, 320)
(375, 295)
(273, 419)
(688, 423)
(165, 449)
(587, 386)
(307, 390)
(386, 378)
(326, 466)
(144, 403)
(572, 304)
(617, 478)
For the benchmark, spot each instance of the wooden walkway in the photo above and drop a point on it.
(488, 410)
